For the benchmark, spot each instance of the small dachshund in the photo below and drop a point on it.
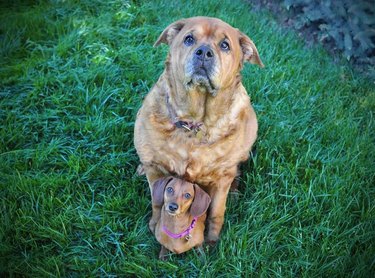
(183, 213)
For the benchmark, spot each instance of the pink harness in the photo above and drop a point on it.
(185, 233)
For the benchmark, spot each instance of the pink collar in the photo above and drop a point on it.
(185, 233)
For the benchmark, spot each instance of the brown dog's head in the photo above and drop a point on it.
(206, 53)
(179, 196)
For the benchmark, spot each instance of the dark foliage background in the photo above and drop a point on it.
(344, 27)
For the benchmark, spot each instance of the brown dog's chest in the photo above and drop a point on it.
(197, 162)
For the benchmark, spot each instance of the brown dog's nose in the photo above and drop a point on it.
(173, 207)
(204, 52)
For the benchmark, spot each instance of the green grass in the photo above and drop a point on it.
(73, 75)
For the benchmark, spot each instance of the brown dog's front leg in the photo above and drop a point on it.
(216, 213)
(153, 175)
(156, 211)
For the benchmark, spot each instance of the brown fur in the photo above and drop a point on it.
(178, 221)
(229, 121)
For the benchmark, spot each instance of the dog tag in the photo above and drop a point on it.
(188, 237)
(199, 134)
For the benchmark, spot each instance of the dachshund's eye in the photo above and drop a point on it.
(224, 45)
(189, 40)
(187, 196)
(169, 190)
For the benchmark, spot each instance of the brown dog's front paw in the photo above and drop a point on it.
(211, 243)
(214, 228)
(211, 240)
(151, 226)
(140, 170)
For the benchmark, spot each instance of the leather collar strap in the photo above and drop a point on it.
(188, 126)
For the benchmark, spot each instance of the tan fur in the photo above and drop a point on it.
(229, 121)
(182, 218)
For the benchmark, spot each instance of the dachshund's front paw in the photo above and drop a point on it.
(163, 253)
(200, 250)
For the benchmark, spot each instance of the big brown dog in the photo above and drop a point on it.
(197, 122)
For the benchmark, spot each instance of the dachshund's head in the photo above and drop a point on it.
(179, 196)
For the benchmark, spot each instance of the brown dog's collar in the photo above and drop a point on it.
(189, 126)
(186, 125)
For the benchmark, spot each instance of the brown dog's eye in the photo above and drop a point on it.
(189, 40)
(169, 190)
(224, 45)
(187, 196)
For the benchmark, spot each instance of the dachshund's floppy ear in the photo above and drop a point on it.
(200, 203)
(170, 32)
(158, 190)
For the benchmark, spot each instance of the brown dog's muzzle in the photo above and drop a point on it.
(203, 58)
(202, 68)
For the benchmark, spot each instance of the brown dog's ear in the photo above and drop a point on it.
(200, 203)
(158, 190)
(250, 52)
(170, 32)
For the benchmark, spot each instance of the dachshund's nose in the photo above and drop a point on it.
(173, 207)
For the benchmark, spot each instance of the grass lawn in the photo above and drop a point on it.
(72, 77)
